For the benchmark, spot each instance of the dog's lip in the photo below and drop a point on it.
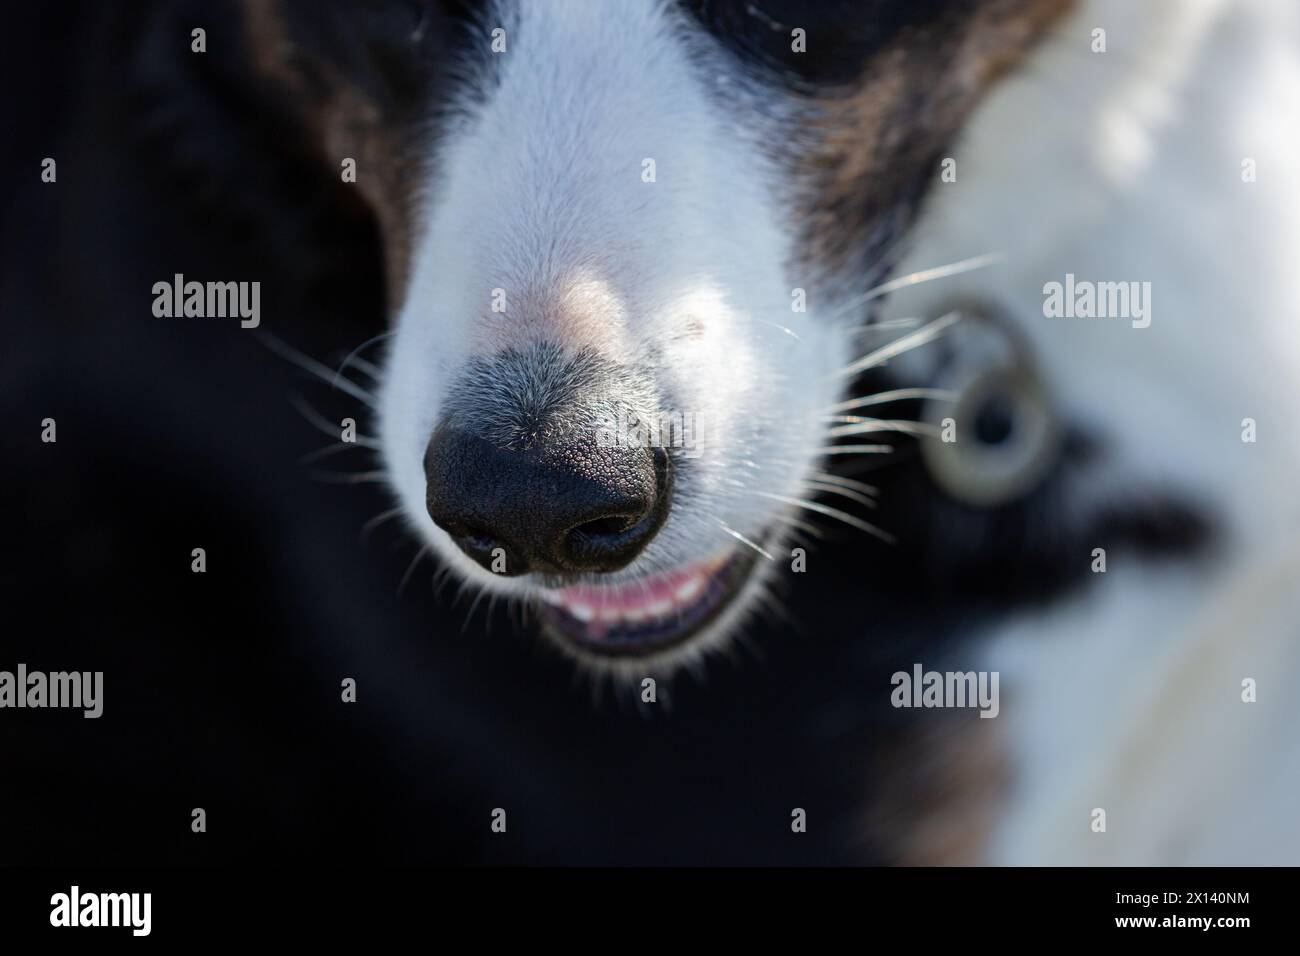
(649, 613)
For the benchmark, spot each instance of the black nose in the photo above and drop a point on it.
(565, 504)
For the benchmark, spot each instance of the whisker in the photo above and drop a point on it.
(440, 579)
(778, 611)
(863, 419)
(843, 492)
(325, 452)
(352, 356)
(872, 426)
(916, 278)
(411, 567)
(377, 520)
(325, 425)
(912, 340)
(855, 449)
(463, 587)
(851, 520)
(804, 526)
(886, 325)
(825, 477)
(743, 540)
(348, 478)
(309, 364)
(369, 368)
(314, 417)
(473, 606)
(491, 613)
(896, 395)
(777, 325)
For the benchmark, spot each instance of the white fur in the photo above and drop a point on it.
(1126, 166)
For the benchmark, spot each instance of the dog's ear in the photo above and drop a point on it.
(237, 156)
(361, 83)
(254, 119)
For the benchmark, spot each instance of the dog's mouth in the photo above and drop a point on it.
(647, 614)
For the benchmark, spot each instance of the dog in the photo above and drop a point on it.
(876, 339)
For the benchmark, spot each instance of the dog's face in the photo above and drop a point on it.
(1126, 562)
(628, 246)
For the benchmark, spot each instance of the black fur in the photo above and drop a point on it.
(840, 35)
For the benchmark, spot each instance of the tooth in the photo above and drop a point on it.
(660, 608)
(688, 590)
(581, 612)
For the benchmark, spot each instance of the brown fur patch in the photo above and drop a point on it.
(874, 150)
(341, 119)
(940, 802)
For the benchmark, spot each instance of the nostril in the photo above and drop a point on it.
(610, 541)
(491, 552)
(603, 527)
(479, 541)
(605, 544)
